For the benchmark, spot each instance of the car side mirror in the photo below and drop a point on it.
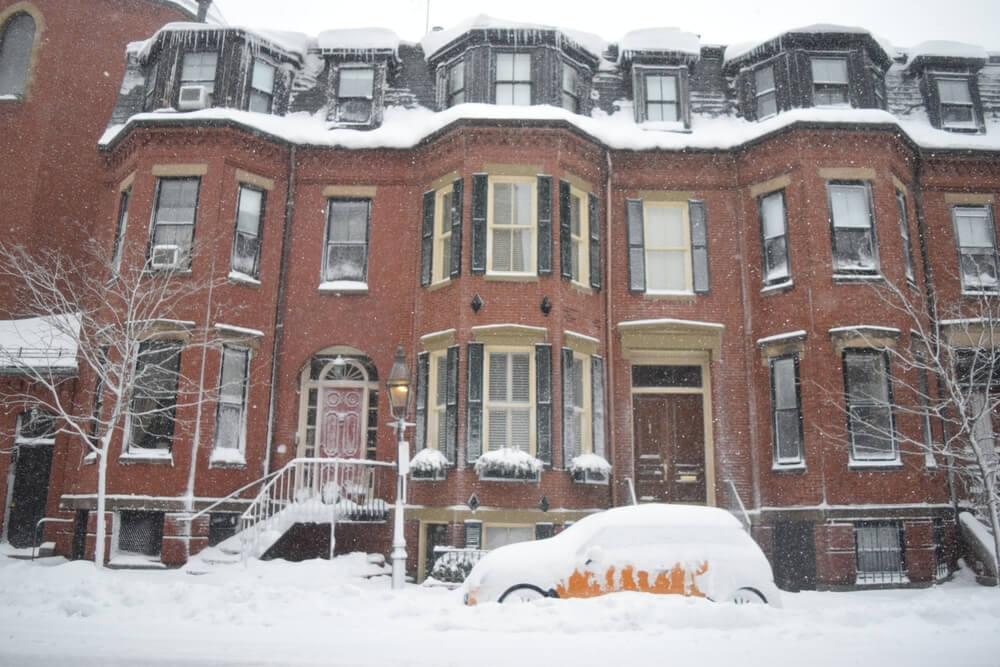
(594, 554)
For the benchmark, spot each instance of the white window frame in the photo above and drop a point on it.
(579, 237)
(495, 226)
(261, 98)
(649, 249)
(842, 265)
(514, 84)
(954, 103)
(821, 86)
(437, 399)
(441, 259)
(329, 244)
(508, 403)
(968, 250)
(583, 410)
(231, 401)
(254, 236)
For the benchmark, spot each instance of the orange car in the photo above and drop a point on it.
(675, 549)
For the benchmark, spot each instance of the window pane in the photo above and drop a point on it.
(520, 429)
(520, 391)
(974, 228)
(666, 376)
(345, 263)
(522, 204)
(786, 424)
(522, 66)
(16, 43)
(263, 77)
(665, 227)
(521, 94)
(505, 66)
(234, 367)
(665, 270)
(767, 105)
(775, 259)
(850, 205)
(578, 379)
(764, 79)
(498, 377)
(829, 70)
(503, 203)
(356, 82)
(853, 249)
(501, 250)
(957, 115)
(772, 210)
(784, 383)
(248, 217)
(661, 88)
(953, 91)
(866, 378)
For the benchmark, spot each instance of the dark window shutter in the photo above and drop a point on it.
(427, 240)
(456, 227)
(474, 403)
(636, 246)
(565, 231)
(597, 403)
(928, 84)
(699, 246)
(684, 96)
(420, 433)
(544, 225)
(451, 405)
(543, 403)
(568, 427)
(594, 225)
(747, 88)
(480, 196)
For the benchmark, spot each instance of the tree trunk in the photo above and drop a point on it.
(992, 503)
(102, 473)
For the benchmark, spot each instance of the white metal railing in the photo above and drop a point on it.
(453, 564)
(630, 486)
(317, 490)
(736, 506)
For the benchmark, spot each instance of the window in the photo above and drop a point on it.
(456, 84)
(35, 427)
(116, 253)
(869, 406)
(881, 557)
(154, 395)
(246, 240)
(140, 532)
(173, 223)
(230, 416)
(199, 70)
(829, 77)
(570, 88)
(977, 255)
(786, 410)
(442, 234)
(355, 94)
(149, 87)
(765, 92)
(904, 231)
(854, 248)
(437, 401)
(577, 405)
(262, 87)
(957, 109)
(16, 43)
(498, 536)
(512, 215)
(668, 246)
(346, 256)
(662, 100)
(509, 405)
(774, 238)
(513, 79)
(574, 226)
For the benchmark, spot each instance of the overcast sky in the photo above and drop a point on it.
(902, 22)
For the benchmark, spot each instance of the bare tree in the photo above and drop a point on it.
(125, 320)
(948, 379)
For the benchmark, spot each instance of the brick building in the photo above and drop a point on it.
(645, 268)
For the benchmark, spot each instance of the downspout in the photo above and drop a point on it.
(279, 308)
(609, 371)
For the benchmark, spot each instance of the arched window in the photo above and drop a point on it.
(16, 41)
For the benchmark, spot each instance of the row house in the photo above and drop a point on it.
(635, 271)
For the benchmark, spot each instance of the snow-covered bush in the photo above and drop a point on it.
(452, 565)
(508, 463)
(590, 468)
(428, 464)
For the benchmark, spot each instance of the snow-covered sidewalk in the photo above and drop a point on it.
(54, 612)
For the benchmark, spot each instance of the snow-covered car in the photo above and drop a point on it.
(674, 549)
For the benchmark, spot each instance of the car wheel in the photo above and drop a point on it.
(523, 593)
(747, 596)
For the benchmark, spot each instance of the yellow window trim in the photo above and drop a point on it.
(581, 243)
(771, 185)
(249, 178)
(847, 173)
(180, 169)
(442, 230)
(434, 413)
(509, 334)
(983, 199)
(863, 336)
(581, 344)
(360, 191)
(438, 340)
(126, 182)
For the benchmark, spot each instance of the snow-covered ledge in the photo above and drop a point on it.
(429, 464)
(590, 469)
(509, 464)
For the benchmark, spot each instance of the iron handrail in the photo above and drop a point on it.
(48, 519)
(231, 496)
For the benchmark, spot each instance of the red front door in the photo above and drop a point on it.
(343, 417)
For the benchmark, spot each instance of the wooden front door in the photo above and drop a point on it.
(342, 434)
(669, 437)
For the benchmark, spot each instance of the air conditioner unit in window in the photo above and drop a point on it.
(192, 97)
(165, 256)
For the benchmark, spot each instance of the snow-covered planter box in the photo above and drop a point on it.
(590, 469)
(429, 464)
(508, 463)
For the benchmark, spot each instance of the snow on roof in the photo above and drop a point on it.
(39, 342)
(739, 50)
(791, 335)
(669, 40)
(434, 41)
(406, 128)
(294, 43)
(944, 49)
(358, 39)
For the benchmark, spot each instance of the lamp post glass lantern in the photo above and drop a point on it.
(398, 387)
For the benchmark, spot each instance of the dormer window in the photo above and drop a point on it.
(661, 97)
(765, 92)
(262, 87)
(955, 104)
(570, 86)
(830, 81)
(513, 79)
(199, 72)
(355, 92)
(660, 94)
(456, 83)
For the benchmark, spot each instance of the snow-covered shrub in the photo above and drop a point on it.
(452, 566)
(428, 464)
(590, 468)
(508, 463)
